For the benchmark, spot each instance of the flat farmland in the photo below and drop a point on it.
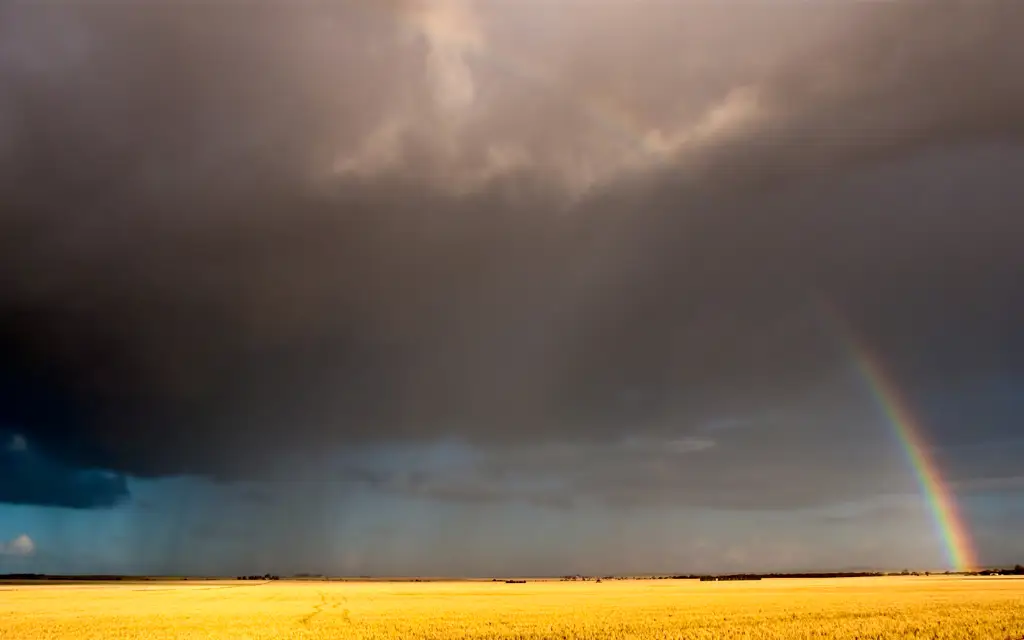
(855, 608)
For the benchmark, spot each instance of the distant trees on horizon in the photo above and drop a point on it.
(1017, 570)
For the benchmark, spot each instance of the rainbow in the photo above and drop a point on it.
(960, 552)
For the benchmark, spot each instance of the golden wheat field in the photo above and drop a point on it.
(912, 607)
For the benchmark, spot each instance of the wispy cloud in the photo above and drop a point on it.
(17, 443)
(22, 546)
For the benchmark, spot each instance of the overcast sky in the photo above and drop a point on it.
(474, 287)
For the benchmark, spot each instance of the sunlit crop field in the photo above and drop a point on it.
(913, 607)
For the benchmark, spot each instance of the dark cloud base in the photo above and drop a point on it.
(30, 478)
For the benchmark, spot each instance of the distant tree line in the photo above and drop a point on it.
(1017, 570)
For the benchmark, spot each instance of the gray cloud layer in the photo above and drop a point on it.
(235, 231)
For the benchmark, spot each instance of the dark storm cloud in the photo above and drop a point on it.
(29, 477)
(233, 233)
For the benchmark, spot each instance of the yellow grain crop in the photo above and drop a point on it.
(951, 608)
